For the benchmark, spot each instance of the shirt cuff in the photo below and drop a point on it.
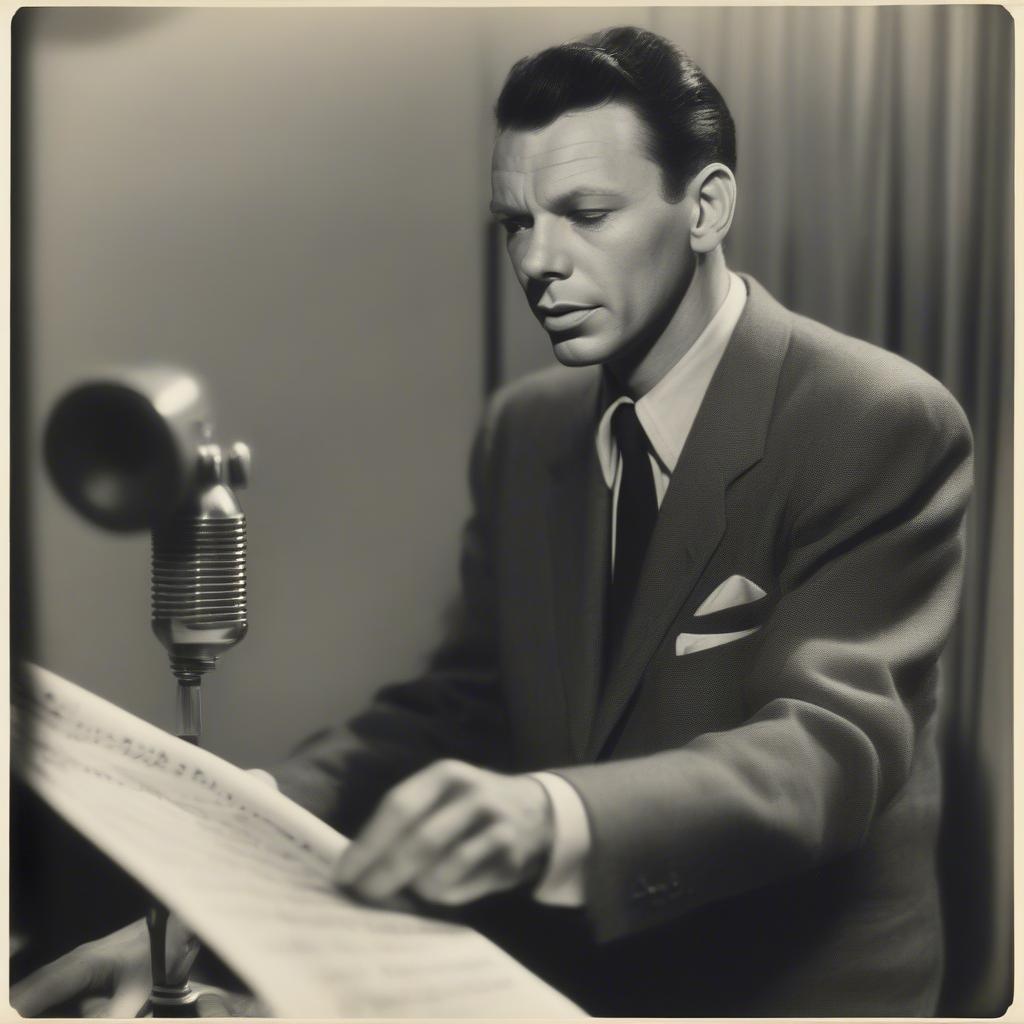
(561, 885)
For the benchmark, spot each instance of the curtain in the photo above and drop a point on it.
(875, 174)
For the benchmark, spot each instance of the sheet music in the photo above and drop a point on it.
(249, 871)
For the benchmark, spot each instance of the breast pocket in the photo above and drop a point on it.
(692, 643)
(683, 697)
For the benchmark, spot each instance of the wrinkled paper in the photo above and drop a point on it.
(250, 871)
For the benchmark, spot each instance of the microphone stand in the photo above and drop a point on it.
(199, 610)
(125, 449)
(171, 994)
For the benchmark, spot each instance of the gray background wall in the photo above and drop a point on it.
(273, 199)
(291, 203)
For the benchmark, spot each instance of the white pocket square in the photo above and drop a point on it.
(736, 590)
(690, 643)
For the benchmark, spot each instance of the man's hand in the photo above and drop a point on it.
(452, 833)
(109, 977)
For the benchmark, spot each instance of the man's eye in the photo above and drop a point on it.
(589, 217)
(513, 227)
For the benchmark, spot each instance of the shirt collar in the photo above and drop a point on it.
(668, 410)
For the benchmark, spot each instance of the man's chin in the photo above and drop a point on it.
(580, 350)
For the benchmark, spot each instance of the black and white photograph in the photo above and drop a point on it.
(512, 512)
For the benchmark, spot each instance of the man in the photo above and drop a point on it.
(679, 749)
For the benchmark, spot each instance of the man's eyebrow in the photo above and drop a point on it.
(564, 199)
(497, 207)
(561, 200)
(582, 191)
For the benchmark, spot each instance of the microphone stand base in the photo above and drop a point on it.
(169, 996)
(171, 1004)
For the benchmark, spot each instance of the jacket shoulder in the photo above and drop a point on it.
(544, 389)
(535, 420)
(546, 408)
(834, 377)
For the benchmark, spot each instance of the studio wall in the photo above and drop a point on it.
(274, 200)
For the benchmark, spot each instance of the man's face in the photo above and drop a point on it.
(603, 257)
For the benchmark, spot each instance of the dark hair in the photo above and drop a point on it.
(687, 121)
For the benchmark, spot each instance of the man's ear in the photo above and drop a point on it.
(712, 192)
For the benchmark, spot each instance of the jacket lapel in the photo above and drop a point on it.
(727, 438)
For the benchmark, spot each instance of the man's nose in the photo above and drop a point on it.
(546, 257)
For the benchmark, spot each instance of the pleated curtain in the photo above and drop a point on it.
(875, 172)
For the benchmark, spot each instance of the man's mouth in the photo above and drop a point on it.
(563, 316)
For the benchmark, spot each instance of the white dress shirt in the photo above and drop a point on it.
(666, 413)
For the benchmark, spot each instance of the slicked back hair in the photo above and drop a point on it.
(687, 122)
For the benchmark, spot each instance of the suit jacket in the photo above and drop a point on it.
(763, 812)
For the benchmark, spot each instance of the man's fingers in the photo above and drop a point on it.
(72, 975)
(218, 1002)
(420, 848)
(450, 834)
(212, 1004)
(399, 811)
(471, 869)
(125, 1002)
(399, 901)
(487, 880)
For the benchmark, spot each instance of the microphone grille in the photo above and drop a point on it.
(199, 570)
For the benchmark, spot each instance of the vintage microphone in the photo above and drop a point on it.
(199, 607)
(133, 449)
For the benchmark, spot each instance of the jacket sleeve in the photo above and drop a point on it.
(870, 576)
(453, 710)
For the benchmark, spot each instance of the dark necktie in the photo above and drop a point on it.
(636, 512)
